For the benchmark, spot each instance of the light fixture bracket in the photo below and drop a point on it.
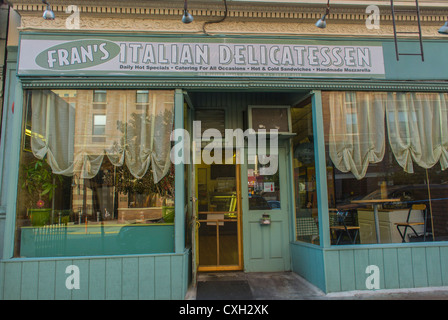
(321, 23)
(187, 17)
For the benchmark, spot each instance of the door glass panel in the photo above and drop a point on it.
(217, 214)
(207, 243)
(228, 242)
(263, 183)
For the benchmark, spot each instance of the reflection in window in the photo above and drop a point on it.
(266, 118)
(79, 196)
(263, 183)
(305, 194)
(99, 124)
(99, 96)
(395, 160)
(210, 119)
(142, 96)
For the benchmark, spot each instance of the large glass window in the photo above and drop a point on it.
(386, 166)
(95, 180)
(305, 193)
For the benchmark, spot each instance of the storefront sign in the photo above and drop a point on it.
(144, 56)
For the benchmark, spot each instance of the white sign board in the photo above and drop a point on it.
(144, 56)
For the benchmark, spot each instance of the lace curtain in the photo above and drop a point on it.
(357, 134)
(66, 130)
(418, 129)
(416, 123)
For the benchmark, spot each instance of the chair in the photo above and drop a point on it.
(343, 228)
(407, 224)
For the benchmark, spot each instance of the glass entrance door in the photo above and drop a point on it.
(266, 215)
(218, 215)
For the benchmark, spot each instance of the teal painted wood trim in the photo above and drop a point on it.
(361, 259)
(321, 169)
(391, 271)
(291, 195)
(13, 170)
(347, 265)
(141, 277)
(307, 260)
(6, 132)
(412, 67)
(179, 179)
(410, 266)
(230, 83)
(9, 93)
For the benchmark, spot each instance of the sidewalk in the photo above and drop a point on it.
(290, 286)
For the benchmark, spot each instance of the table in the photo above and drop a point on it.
(375, 203)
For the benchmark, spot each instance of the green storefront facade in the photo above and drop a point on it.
(210, 73)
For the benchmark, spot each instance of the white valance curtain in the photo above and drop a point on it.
(64, 129)
(418, 129)
(357, 134)
(416, 123)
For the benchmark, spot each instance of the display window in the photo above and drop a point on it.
(386, 157)
(95, 173)
(303, 163)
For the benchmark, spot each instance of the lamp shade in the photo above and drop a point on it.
(187, 17)
(444, 29)
(321, 23)
(49, 14)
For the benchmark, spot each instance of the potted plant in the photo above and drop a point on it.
(40, 183)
